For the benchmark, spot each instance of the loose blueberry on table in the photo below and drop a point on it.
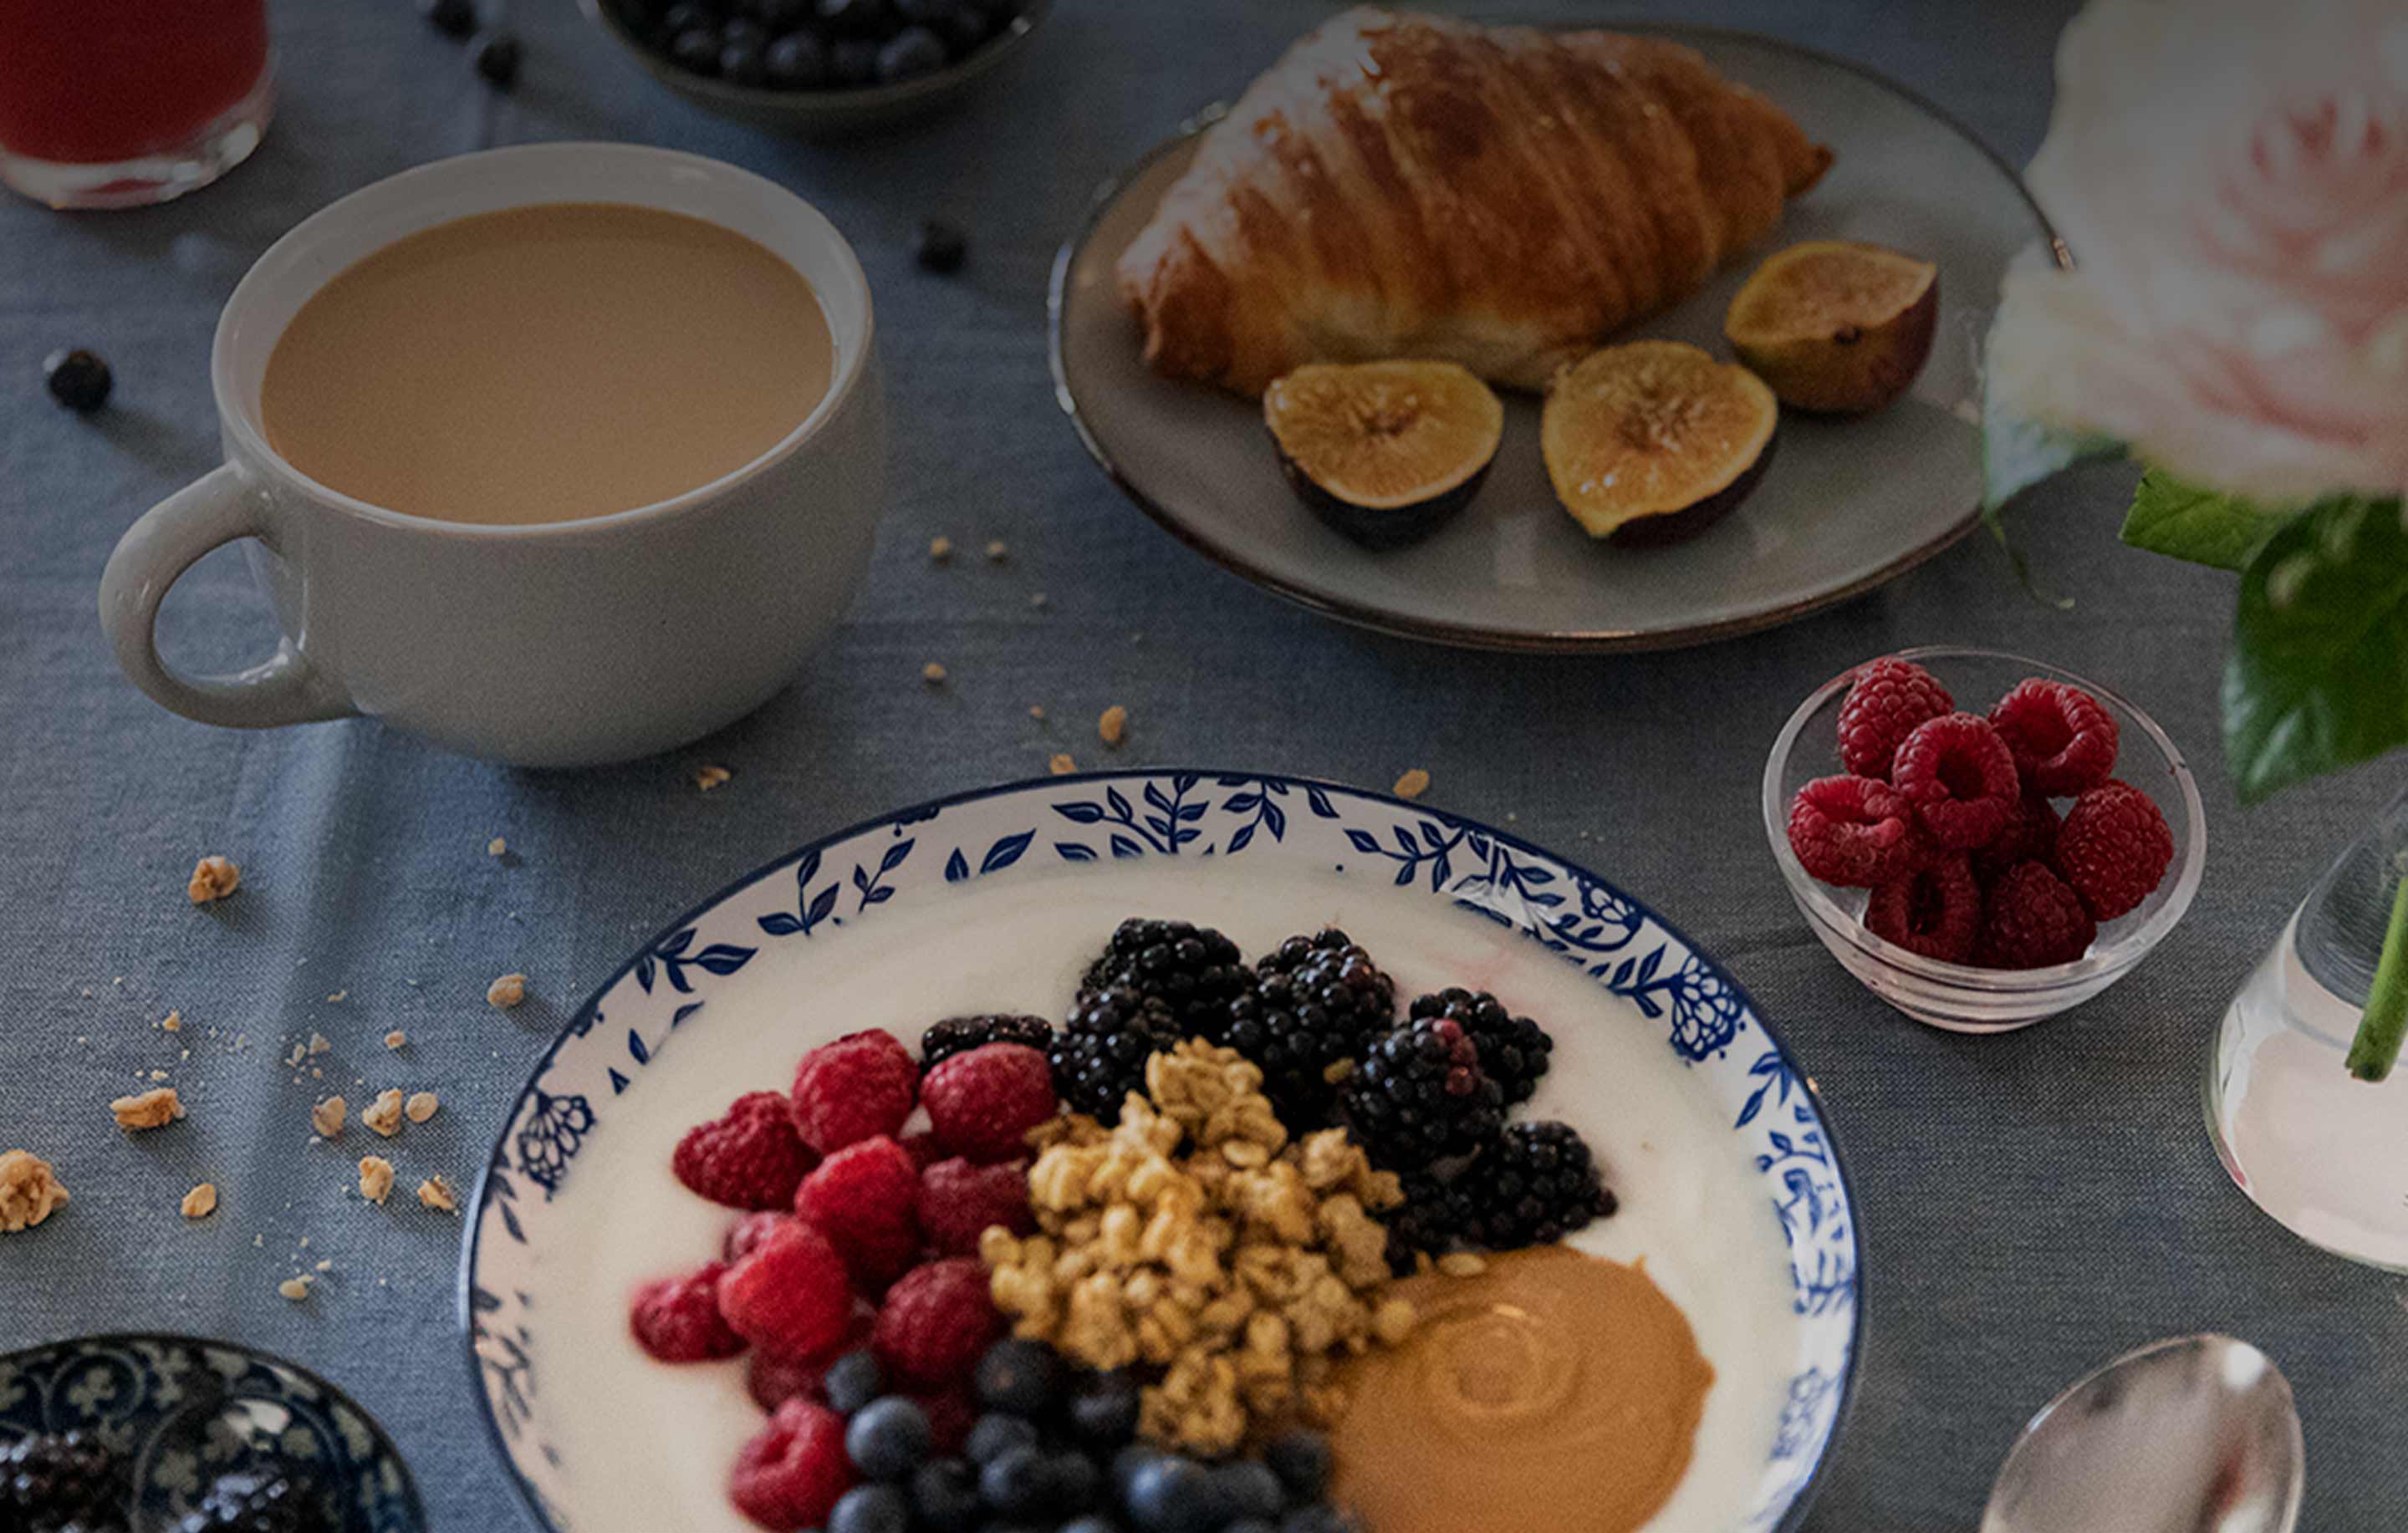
(1946, 817)
(873, 1273)
(810, 45)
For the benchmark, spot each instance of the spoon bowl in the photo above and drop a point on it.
(2193, 1435)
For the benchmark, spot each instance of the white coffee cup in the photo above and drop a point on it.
(548, 644)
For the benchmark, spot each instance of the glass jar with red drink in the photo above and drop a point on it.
(124, 103)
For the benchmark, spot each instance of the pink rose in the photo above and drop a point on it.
(2232, 178)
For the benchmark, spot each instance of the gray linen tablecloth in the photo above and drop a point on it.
(2033, 1203)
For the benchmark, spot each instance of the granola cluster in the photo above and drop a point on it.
(29, 1191)
(1197, 1240)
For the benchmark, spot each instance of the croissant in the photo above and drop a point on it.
(1501, 197)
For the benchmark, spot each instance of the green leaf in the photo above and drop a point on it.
(2204, 526)
(2318, 677)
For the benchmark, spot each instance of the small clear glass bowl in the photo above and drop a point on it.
(1958, 996)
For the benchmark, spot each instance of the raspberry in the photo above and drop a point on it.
(2113, 847)
(2062, 737)
(772, 1378)
(1935, 911)
(983, 1104)
(751, 1158)
(790, 1293)
(865, 1199)
(1960, 778)
(677, 1319)
(749, 1232)
(1888, 699)
(924, 1150)
(2031, 836)
(2034, 921)
(958, 1201)
(1854, 832)
(936, 1320)
(856, 1088)
(793, 1469)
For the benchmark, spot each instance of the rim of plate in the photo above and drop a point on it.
(472, 1240)
(385, 1439)
(1405, 625)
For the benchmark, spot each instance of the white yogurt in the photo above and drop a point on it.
(647, 1446)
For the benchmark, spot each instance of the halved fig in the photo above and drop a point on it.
(1655, 441)
(1836, 327)
(1384, 451)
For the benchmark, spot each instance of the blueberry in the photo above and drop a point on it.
(1016, 1482)
(782, 16)
(888, 1439)
(743, 29)
(740, 62)
(929, 12)
(1248, 1488)
(1318, 1518)
(871, 1508)
(1076, 1482)
(941, 248)
(944, 1495)
(496, 56)
(1125, 1465)
(1019, 1377)
(452, 18)
(685, 16)
(1174, 1495)
(852, 1381)
(963, 30)
(855, 18)
(796, 60)
(853, 62)
(1249, 1525)
(909, 53)
(78, 380)
(697, 49)
(995, 1434)
(1090, 1524)
(1300, 1458)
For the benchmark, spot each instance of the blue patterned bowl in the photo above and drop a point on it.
(939, 909)
(180, 1411)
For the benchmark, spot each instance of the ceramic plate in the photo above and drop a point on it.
(179, 1411)
(1731, 1189)
(1846, 506)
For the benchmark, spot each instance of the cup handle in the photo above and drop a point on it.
(213, 511)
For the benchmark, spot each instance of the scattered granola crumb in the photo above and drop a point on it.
(172, 1023)
(422, 1106)
(1412, 784)
(375, 1178)
(933, 674)
(1062, 766)
(1113, 727)
(507, 991)
(296, 1288)
(327, 1117)
(338, 997)
(396, 1038)
(158, 1075)
(200, 1202)
(383, 1115)
(213, 878)
(1462, 1264)
(495, 847)
(995, 552)
(1037, 711)
(148, 1110)
(707, 778)
(300, 1051)
(30, 1191)
(1040, 600)
(318, 1045)
(325, 1263)
(940, 549)
(436, 1194)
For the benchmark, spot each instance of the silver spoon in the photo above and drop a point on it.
(2193, 1435)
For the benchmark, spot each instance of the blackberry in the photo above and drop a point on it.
(1418, 1095)
(959, 1035)
(57, 1478)
(1194, 972)
(1431, 1221)
(1514, 1051)
(260, 1503)
(1100, 1054)
(1535, 1184)
(1313, 1005)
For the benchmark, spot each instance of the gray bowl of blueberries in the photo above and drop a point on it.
(819, 67)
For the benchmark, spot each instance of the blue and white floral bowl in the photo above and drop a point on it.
(576, 1203)
(179, 1411)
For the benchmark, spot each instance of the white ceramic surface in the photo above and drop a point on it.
(1730, 1187)
(1845, 505)
(559, 644)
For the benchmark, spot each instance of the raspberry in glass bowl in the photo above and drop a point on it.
(1992, 840)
